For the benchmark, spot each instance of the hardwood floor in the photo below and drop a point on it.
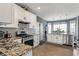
(52, 50)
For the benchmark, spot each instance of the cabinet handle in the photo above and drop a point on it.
(56, 37)
(24, 18)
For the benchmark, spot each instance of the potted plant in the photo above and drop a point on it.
(58, 31)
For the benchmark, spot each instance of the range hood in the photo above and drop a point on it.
(22, 22)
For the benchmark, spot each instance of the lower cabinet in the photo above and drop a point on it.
(49, 38)
(36, 40)
(55, 38)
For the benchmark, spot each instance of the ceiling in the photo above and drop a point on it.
(53, 11)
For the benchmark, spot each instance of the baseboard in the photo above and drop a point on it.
(53, 43)
(67, 45)
(60, 45)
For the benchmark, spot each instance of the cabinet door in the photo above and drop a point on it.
(20, 13)
(6, 12)
(60, 39)
(37, 28)
(27, 15)
(32, 19)
(49, 38)
(14, 21)
(53, 38)
(36, 40)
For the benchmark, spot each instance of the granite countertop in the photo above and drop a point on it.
(18, 50)
(9, 47)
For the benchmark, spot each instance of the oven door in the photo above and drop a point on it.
(29, 42)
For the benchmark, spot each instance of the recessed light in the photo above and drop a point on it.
(38, 7)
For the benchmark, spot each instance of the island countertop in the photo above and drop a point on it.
(18, 50)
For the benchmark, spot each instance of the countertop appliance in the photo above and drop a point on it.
(29, 42)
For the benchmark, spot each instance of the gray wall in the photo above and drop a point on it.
(64, 20)
(40, 20)
(77, 28)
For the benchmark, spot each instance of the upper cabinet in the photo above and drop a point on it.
(26, 16)
(32, 20)
(6, 13)
(21, 14)
(12, 13)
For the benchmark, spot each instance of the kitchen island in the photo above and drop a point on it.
(12, 48)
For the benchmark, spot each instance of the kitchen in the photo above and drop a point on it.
(23, 32)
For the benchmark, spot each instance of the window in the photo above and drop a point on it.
(62, 26)
(72, 27)
(55, 26)
(49, 27)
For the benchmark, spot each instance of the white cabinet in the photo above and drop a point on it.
(60, 39)
(41, 32)
(55, 38)
(32, 20)
(49, 38)
(21, 14)
(24, 15)
(6, 12)
(37, 27)
(14, 17)
(12, 13)
(18, 14)
(36, 36)
(27, 16)
(36, 40)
